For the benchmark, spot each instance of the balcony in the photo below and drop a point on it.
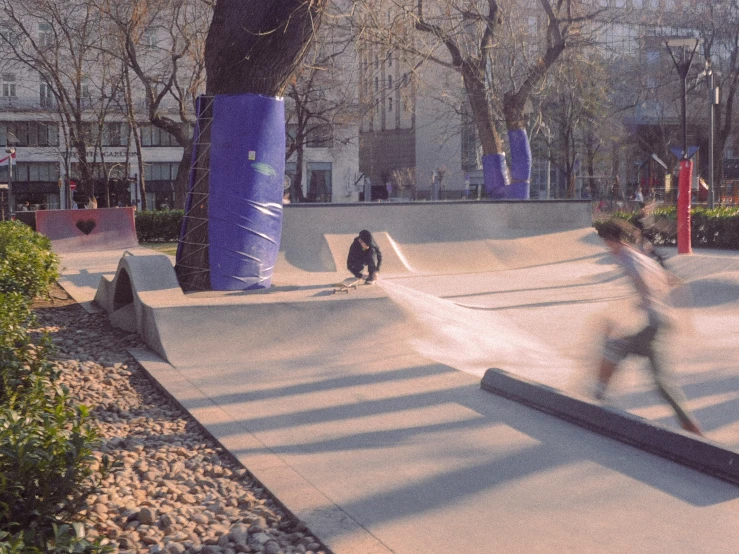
(26, 104)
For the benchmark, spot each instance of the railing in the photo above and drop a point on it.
(8, 103)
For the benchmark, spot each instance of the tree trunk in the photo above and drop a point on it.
(253, 46)
(296, 187)
(183, 177)
(474, 85)
(256, 45)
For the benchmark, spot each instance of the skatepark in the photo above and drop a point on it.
(363, 413)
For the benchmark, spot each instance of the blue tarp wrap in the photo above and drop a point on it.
(520, 165)
(495, 174)
(247, 168)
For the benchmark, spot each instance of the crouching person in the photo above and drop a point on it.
(364, 252)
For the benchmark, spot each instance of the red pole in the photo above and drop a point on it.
(683, 207)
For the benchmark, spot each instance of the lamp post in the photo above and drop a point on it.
(685, 49)
(713, 101)
(107, 182)
(11, 197)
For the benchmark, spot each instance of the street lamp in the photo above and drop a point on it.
(11, 141)
(685, 49)
(714, 99)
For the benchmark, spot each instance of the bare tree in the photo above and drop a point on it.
(576, 106)
(58, 42)
(162, 43)
(479, 40)
(323, 95)
(718, 25)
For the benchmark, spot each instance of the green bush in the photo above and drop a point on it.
(27, 264)
(159, 226)
(46, 462)
(47, 468)
(717, 228)
(20, 358)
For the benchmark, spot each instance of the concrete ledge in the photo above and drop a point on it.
(681, 447)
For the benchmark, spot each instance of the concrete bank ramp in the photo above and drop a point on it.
(88, 230)
(438, 238)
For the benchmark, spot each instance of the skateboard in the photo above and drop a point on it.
(347, 285)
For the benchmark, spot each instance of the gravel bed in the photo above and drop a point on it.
(176, 490)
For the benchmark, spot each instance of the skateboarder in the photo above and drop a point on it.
(651, 282)
(364, 252)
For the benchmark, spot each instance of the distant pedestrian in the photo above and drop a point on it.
(651, 282)
(364, 252)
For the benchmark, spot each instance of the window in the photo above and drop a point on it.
(389, 104)
(45, 35)
(389, 59)
(160, 171)
(291, 134)
(291, 168)
(154, 136)
(149, 38)
(389, 82)
(46, 96)
(7, 35)
(319, 136)
(85, 88)
(319, 181)
(36, 172)
(9, 84)
(377, 84)
(653, 56)
(29, 133)
(115, 134)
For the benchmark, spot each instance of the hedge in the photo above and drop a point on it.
(717, 228)
(159, 226)
(27, 265)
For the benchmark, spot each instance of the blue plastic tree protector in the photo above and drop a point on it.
(247, 168)
(495, 174)
(520, 165)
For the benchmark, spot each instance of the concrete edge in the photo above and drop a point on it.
(684, 448)
(328, 522)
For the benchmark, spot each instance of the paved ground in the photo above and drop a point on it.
(363, 412)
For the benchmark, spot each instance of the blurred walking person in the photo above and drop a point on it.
(651, 282)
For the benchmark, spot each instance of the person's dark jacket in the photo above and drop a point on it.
(359, 258)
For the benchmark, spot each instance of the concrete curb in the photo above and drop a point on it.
(684, 448)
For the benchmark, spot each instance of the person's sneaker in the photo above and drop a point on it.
(371, 280)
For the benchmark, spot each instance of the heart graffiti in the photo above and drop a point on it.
(85, 225)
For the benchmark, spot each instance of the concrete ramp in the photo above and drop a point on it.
(140, 284)
(88, 230)
(438, 238)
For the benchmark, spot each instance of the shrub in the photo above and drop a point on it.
(46, 462)
(717, 228)
(20, 358)
(159, 226)
(47, 469)
(27, 264)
